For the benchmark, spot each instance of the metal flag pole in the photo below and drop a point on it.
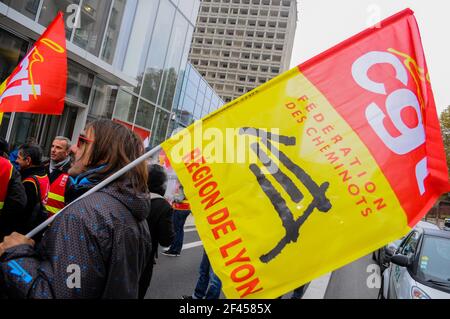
(110, 179)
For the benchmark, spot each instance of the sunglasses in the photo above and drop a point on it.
(82, 140)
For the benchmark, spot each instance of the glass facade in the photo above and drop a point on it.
(92, 25)
(50, 9)
(29, 8)
(154, 39)
(12, 51)
(195, 100)
(163, 36)
(91, 30)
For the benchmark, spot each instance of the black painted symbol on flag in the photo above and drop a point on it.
(319, 202)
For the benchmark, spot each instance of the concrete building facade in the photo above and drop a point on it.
(241, 44)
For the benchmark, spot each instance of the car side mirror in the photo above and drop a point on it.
(401, 260)
(389, 250)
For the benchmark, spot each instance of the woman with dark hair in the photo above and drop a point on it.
(159, 220)
(109, 157)
(100, 245)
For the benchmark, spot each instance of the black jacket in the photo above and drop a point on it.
(13, 211)
(57, 172)
(103, 237)
(32, 195)
(160, 222)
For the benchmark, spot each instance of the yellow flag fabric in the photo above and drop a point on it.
(292, 181)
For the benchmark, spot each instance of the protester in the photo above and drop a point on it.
(36, 183)
(181, 212)
(208, 284)
(12, 194)
(100, 245)
(159, 221)
(15, 152)
(60, 162)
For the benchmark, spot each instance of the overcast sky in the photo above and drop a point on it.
(324, 23)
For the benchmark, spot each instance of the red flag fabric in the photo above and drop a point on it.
(38, 84)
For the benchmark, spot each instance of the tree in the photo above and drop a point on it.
(445, 126)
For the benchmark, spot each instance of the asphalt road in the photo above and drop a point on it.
(174, 277)
(177, 276)
(354, 281)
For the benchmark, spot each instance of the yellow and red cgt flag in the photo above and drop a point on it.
(38, 84)
(348, 156)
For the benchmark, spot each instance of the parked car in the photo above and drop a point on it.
(447, 224)
(382, 256)
(420, 268)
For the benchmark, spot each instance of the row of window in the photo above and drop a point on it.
(211, 64)
(236, 77)
(244, 22)
(245, 12)
(203, 53)
(247, 34)
(255, 33)
(285, 3)
(245, 46)
(236, 44)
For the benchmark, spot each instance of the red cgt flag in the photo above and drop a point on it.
(38, 84)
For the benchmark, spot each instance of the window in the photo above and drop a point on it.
(12, 51)
(174, 54)
(157, 52)
(145, 113)
(409, 246)
(28, 8)
(79, 83)
(104, 98)
(125, 107)
(134, 64)
(94, 15)
(50, 9)
(434, 259)
(112, 32)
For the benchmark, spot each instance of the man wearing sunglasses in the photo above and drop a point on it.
(102, 239)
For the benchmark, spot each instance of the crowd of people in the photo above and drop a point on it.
(111, 236)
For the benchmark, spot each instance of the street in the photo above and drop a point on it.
(350, 282)
(174, 277)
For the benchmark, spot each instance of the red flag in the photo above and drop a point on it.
(38, 84)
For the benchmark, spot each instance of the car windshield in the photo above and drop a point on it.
(434, 262)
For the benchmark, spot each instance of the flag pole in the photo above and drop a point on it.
(110, 179)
